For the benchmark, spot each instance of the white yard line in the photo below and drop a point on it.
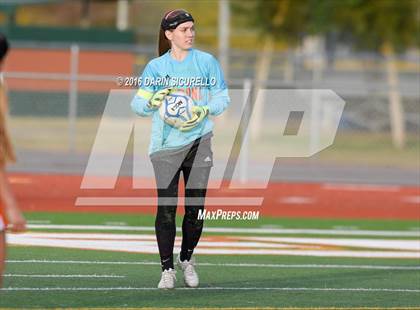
(37, 261)
(46, 289)
(61, 276)
(324, 247)
(412, 245)
(313, 266)
(240, 230)
(253, 265)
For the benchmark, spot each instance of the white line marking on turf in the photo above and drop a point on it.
(61, 276)
(36, 261)
(247, 245)
(316, 266)
(243, 230)
(210, 289)
(94, 227)
(413, 245)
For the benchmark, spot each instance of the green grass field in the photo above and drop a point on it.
(51, 277)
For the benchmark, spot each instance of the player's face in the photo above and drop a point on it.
(183, 36)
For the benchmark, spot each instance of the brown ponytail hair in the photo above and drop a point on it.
(170, 21)
(164, 43)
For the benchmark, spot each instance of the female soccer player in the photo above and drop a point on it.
(187, 148)
(9, 211)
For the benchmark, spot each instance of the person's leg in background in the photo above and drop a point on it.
(8, 210)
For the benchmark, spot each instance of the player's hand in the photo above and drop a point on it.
(199, 113)
(16, 221)
(157, 98)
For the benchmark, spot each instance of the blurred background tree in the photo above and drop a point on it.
(385, 26)
(276, 21)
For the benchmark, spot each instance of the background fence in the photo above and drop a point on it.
(58, 94)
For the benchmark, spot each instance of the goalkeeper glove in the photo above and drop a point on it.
(157, 98)
(199, 113)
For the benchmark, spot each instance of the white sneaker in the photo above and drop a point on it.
(168, 279)
(187, 267)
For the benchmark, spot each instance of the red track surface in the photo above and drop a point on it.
(311, 200)
(58, 61)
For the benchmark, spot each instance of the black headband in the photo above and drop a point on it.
(171, 22)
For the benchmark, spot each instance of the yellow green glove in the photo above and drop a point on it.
(157, 98)
(199, 113)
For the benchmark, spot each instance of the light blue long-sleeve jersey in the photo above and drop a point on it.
(198, 65)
